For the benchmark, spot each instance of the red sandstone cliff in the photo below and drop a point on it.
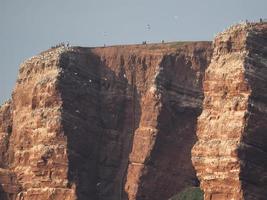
(8, 184)
(230, 155)
(119, 123)
(104, 123)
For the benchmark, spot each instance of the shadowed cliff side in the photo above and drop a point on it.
(100, 111)
(3, 194)
(253, 147)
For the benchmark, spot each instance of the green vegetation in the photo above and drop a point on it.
(192, 193)
(178, 44)
(167, 44)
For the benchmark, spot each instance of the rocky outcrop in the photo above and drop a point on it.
(8, 184)
(38, 145)
(118, 123)
(105, 123)
(230, 155)
(5, 132)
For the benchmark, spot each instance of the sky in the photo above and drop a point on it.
(28, 27)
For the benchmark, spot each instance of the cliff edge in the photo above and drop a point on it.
(230, 155)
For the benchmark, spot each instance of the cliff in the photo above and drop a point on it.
(230, 155)
(124, 122)
(104, 123)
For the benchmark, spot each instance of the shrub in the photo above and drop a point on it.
(192, 193)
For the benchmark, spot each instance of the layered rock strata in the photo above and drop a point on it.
(38, 146)
(104, 123)
(119, 123)
(230, 155)
(166, 131)
(8, 184)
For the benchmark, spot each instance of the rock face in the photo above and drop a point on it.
(38, 145)
(110, 123)
(119, 123)
(8, 184)
(230, 156)
(166, 131)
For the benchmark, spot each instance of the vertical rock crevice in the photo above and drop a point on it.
(79, 86)
(121, 112)
(160, 161)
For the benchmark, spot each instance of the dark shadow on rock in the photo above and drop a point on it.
(169, 169)
(100, 113)
(3, 194)
(253, 151)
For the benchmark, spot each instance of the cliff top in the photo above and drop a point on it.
(150, 49)
(155, 47)
(245, 26)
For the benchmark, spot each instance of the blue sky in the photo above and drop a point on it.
(30, 26)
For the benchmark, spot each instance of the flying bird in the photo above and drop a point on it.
(105, 34)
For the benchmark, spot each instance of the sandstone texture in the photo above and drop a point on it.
(8, 184)
(120, 122)
(111, 123)
(230, 156)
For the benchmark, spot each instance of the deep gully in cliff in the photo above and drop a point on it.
(133, 84)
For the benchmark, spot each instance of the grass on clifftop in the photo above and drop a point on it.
(178, 44)
(192, 193)
(168, 44)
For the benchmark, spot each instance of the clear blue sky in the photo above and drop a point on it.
(30, 26)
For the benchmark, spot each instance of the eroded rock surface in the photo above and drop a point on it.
(8, 183)
(119, 123)
(38, 144)
(166, 132)
(104, 123)
(230, 155)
